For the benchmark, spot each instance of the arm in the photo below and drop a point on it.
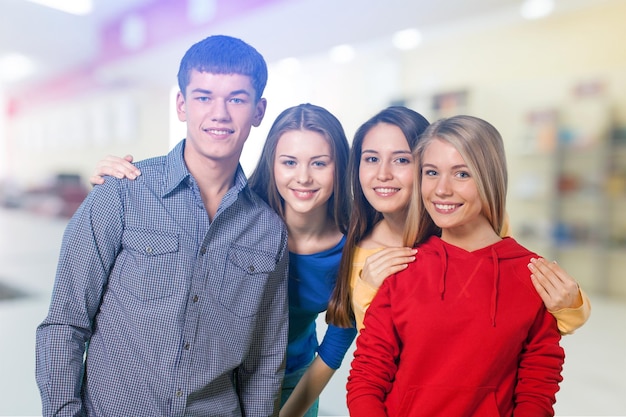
(376, 268)
(561, 295)
(332, 350)
(90, 246)
(308, 389)
(115, 167)
(260, 375)
(375, 360)
(539, 371)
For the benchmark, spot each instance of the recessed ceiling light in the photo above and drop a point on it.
(407, 39)
(342, 53)
(289, 65)
(15, 67)
(77, 7)
(536, 9)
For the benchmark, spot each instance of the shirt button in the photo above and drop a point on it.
(195, 299)
(148, 250)
(251, 268)
(187, 346)
(202, 251)
(179, 393)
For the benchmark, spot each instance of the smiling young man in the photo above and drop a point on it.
(170, 294)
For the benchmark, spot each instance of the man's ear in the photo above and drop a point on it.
(181, 110)
(259, 112)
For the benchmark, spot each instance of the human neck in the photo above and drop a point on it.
(470, 240)
(311, 232)
(386, 233)
(214, 179)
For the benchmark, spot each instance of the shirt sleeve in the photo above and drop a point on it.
(571, 319)
(374, 365)
(336, 342)
(362, 296)
(260, 376)
(90, 245)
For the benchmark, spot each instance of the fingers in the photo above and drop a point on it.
(96, 180)
(386, 262)
(116, 167)
(555, 287)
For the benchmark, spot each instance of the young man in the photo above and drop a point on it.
(170, 294)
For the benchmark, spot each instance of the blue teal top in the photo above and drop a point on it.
(311, 282)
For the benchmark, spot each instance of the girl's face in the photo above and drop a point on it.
(449, 191)
(304, 170)
(386, 169)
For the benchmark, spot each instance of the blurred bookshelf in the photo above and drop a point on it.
(570, 191)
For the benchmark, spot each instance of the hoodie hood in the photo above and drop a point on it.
(506, 249)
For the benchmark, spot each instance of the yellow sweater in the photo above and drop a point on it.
(568, 319)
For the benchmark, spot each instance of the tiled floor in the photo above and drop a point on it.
(594, 377)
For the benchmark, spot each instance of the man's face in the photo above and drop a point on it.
(220, 110)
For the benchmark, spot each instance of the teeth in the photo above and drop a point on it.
(386, 190)
(445, 206)
(219, 132)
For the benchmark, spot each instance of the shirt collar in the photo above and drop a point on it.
(176, 172)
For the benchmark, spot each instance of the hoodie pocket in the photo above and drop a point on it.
(428, 401)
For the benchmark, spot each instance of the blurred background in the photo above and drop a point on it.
(80, 79)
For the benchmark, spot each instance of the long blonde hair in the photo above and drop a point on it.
(482, 148)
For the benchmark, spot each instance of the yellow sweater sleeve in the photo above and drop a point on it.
(362, 292)
(571, 319)
(362, 297)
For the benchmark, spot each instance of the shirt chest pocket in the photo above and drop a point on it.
(150, 260)
(244, 281)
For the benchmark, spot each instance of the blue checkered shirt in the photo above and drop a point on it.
(156, 311)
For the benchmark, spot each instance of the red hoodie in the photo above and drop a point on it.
(458, 334)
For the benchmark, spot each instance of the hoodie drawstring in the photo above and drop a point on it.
(444, 270)
(496, 278)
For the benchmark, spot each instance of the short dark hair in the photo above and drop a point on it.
(220, 54)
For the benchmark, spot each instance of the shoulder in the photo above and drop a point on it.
(150, 164)
(256, 206)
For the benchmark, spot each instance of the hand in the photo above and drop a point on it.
(116, 167)
(555, 287)
(387, 262)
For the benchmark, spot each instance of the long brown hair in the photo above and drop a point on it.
(364, 216)
(312, 118)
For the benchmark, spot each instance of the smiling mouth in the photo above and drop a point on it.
(304, 193)
(386, 190)
(445, 207)
(219, 132)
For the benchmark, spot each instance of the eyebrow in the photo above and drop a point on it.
(398, 152)
(284, 155)
(232, 93)
(459, 166)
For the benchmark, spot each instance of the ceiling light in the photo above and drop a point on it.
(201, 11)
(407, 39)
(536, 9)
(77, 7)
(289, 65)
(342, 54)
(15, 67)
